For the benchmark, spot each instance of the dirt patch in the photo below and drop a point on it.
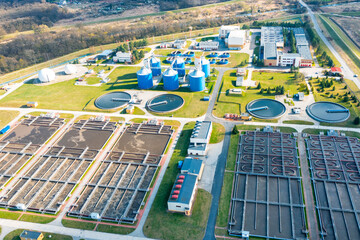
(351, 27)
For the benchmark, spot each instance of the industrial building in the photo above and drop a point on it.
(225, 30)
(106, 54)
(183, 193)
(208, 45)
(192, 166)
(176, 44)
(236, 39)
(122, 57)
(31, 235)
(200, 138)
(272, 41)
(272, 35)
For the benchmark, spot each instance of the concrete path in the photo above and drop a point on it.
(307, 190)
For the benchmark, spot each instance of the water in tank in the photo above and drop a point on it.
(144, 77)
(171, 79)
(205, 66)
(155, 66)
(197, 80)
(179, 66)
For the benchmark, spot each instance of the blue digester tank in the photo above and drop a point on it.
(155, 66)
(144, 77)
(171, 79)
(197, 80)
(179, 66)
(205, 66)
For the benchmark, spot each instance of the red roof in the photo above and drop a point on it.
(335, 69)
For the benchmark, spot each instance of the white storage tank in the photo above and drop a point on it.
(46, 75)
(70, 69)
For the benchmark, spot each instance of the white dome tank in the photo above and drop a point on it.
(46, 75)
(70, 69)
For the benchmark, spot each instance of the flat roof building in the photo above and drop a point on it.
(31, 235)
(270, 54)
(301, 40)
(225, 30)
(182, 195)
(236, 39)
(208, 45)
(122, 57)
(106, 54)
(272, 35)
(240, 72)
(200, 138)
(193, 166)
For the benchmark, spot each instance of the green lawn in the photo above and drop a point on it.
(15, 235)
(36, 218)
(298, 122)
(93, 80)
(353, 14)
(317, 131)
(114, 229)
(6, 117)
(336, 96)
(98, 68)
(9, 215)
(236, 104)
(218, 133)
(177, 226)
(78, 224)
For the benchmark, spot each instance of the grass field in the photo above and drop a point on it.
(343, 42)
(114, 229)
(6, 117)
(298, 122)
(78, 224)
(93, 80)
(177, 226)
(336, 96)
(236, 104)
(218, 133)
(317, 131)
(36, 218)
(14, 235)
(9, 215)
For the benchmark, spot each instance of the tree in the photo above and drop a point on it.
(258, 86)
(346, 99)
(357, 121)
(261, 91)
(235, 130)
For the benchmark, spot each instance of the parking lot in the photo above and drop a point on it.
(267, 195)
(335, 172)
(117, 189)
(21, 143)
(47, 184)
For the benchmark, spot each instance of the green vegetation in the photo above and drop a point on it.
(6, 117)
(298, 122)
(78, 224)
(342, 41)
(236, 104)
(317, 131)
(93, 80)
(177, 226)
(36, 218)
(10, 215)
(353, 14)
(337, 93)
(218, 133)
(114, 229)
(15, 235)
(97, 68)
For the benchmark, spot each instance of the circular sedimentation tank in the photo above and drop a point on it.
(112, 100)
(328, 112)
(165, 103)
(266, 108)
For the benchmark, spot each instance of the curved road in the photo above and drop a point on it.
(347, 72)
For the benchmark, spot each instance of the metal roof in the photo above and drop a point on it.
(270, 51)
(191, 166)
(106, 53)
(30, 234)
(186, 190)
(201, 130)
(304, 52)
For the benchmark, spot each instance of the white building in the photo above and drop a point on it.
(236, 39)
(288, 59)
(272, 35)
(122, 57)
(208, 45)
(179, 44)
(225, 30)
(200, 138)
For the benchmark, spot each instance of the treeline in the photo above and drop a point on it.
(133, 47)
(27, 18)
